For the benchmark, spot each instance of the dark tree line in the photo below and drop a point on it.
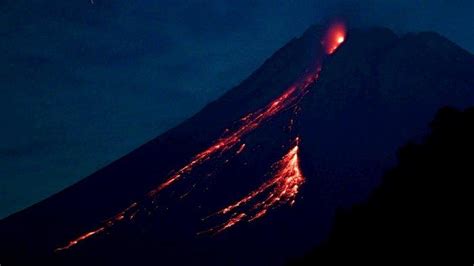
(421, 212)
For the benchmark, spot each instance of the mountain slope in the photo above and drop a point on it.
(375, 92)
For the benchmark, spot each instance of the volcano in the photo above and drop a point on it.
(257, 175)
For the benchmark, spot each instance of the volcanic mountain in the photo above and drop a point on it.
(256, 176)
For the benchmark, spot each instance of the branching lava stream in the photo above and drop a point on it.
(281, 188)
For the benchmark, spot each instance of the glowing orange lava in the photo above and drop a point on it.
(287, 179)
(241, 149)
(249, 123)
(128, 212)
(281, 189)
(83, 237)
(335, 36)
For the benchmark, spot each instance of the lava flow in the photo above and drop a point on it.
(249, 123)
(334, 37)
(287, 178)
(128, 212)
(281, 189)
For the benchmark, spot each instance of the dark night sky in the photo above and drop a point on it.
(83, 84)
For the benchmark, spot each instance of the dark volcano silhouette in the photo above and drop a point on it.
(375, 92)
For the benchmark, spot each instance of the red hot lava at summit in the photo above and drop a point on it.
(335, 36)
(287, 178)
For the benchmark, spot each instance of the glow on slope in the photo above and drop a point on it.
(129, 213)
(334, 37)
(281, 189)
(250, 122)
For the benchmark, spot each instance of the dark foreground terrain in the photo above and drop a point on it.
(420, 212)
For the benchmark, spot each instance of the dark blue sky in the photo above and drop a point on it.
(83, 84)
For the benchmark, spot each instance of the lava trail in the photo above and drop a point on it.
(287, 179)
(128, 213)
(281, 189)
(335, 36)
(249, 123)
